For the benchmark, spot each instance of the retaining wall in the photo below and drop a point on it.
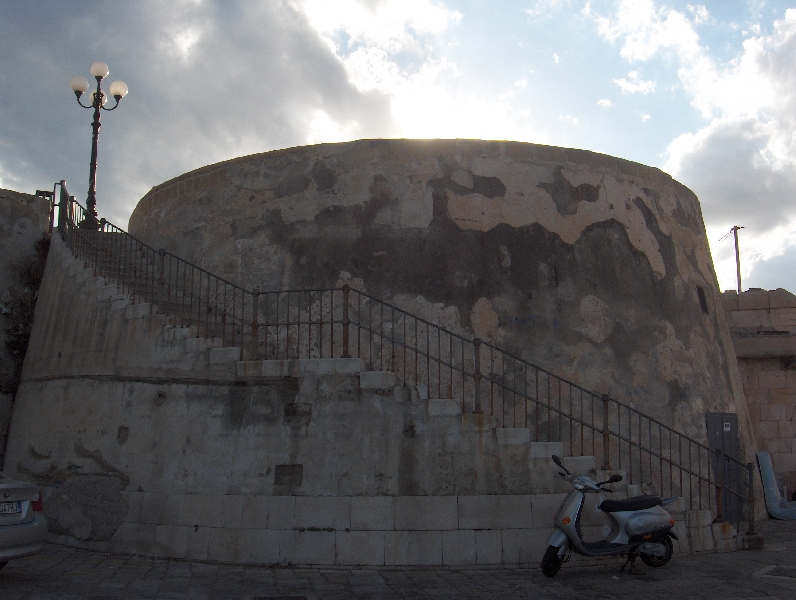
(149, 440)
(24, 219)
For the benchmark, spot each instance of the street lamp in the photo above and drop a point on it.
(99, 70)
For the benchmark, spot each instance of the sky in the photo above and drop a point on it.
(704, 91)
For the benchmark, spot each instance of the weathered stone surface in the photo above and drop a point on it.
(580, 262)
(24, 220)
(87, 507)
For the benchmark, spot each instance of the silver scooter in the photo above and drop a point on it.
(639, 527)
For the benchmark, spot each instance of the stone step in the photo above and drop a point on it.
(106, 292)
(225, 355)
(138, 311)
(377, 380)
(197, 344)
(91, 283)
(180, 333)
(298, 367)
(120, 302)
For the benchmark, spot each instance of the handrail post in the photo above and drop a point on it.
(477, 376)
(255, 322)
(751, 468)
(63, 209)
(161, 279)
(719, 487)
(346, 321)
(606, 435)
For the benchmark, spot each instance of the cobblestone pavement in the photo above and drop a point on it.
(61, 572)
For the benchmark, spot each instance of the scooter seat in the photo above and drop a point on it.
(634, 503)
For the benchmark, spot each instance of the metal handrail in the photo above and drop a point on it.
(341, 322)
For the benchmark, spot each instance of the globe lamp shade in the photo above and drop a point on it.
(104, 98)
(79, 85)
(99, 70)
(118, 89)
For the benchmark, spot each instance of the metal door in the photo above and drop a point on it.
(723, 435)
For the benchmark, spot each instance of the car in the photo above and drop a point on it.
(23, 526)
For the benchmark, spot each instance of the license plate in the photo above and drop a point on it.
(10, 508)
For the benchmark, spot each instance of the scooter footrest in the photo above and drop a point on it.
(603, 547)
(629, 504)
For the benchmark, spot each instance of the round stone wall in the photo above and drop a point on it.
(593, 267)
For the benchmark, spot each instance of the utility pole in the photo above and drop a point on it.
(734, 232)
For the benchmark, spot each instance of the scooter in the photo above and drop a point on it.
(640, 526)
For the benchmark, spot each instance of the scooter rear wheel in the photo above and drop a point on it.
(658, 561)
(551, 562)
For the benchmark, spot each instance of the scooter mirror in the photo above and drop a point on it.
(614, 478)
(558, 462)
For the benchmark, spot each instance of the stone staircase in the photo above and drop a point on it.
(494, 508)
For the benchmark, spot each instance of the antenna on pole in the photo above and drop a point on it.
(734, 232)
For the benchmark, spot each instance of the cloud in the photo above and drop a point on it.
(208, 81)
(392, 25)
(390, 47)
(546, 8)
(774, 272)
(633, 84)
(605, 102)
(742, 162)
(701, 14)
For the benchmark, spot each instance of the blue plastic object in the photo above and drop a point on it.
(777, 506)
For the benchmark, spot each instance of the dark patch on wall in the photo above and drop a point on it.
(407, 468)
(89, 507)
(297, 414)
(491, 187)
(294, 178)
(260, 404)
(104, 465)
(566, 196)
(291, 475)
(323, 177)
(122, 435)
(288, 479)
(39, 455)
(703, 301)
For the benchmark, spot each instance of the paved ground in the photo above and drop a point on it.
(61, 572)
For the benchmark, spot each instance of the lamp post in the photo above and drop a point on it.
(118, 89)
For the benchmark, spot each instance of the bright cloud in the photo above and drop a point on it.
(388, 24)
(372, 41)
(633, 84)
(605, 102)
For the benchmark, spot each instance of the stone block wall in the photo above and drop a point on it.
(160, 443)
(763, 328)
(367, 531)
(24, 219)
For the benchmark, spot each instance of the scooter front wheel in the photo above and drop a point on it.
(662, 548)
(551, 562)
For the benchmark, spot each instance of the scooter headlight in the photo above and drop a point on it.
(579, 485)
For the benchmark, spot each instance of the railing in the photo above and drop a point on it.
(482, 378)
